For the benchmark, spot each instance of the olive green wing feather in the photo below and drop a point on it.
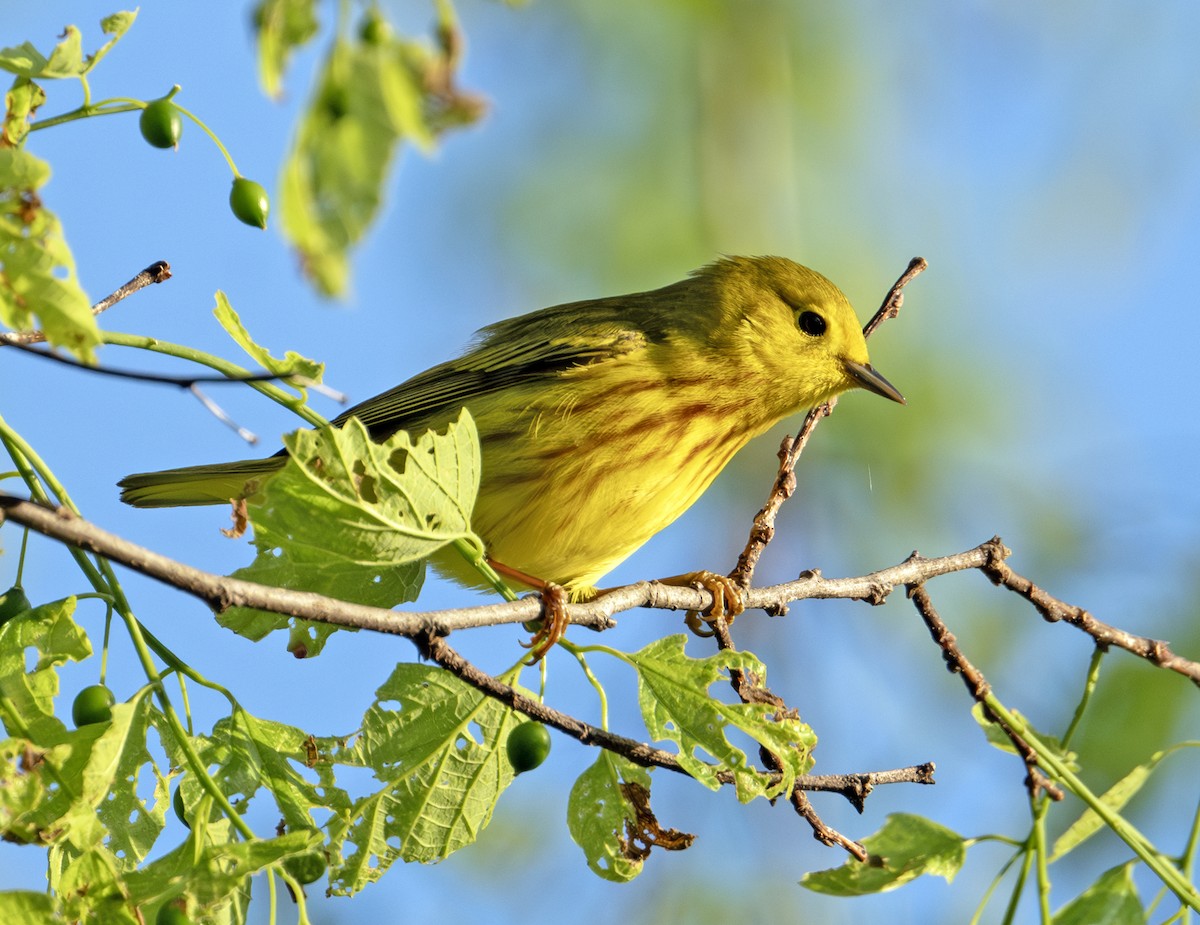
(525, 351)
(520, 351)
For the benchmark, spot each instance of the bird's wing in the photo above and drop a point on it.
(519, 351)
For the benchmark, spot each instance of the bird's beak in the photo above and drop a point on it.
(866, 377)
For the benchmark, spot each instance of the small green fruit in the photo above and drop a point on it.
(306, 868)
(375, 29)
(172, 913)
(93, 705)
(249, 202)
(528, 745)
(12, 602)
(180, 809)
(161, 124)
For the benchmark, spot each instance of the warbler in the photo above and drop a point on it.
(601, 421)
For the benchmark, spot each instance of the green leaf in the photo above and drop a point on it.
(67, 58)
(23, 60)
(49, 631)
(250, 753)
(20, 103)
(1115, 798)
(92, 890)
(213, 875)
(283, 26)
(354, 519)
(998, 739)
(370, 97)
(676, 706)
(1111, 900)
(116, 25)
(39, 271)
(30, 908)
(600, 817)
(292, 364)
(904, 849)
(438, 745)
(111, 782)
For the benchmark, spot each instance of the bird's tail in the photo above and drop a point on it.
(194, 485)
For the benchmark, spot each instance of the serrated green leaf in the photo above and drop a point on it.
(111, 781)
(292, 364)
(905, 848)
(20, 103)
(354, 519)
(49, 630)
(283, 26)
(251, 753)
(438, 745)
(92, 890)
(1111, 900)
(39, 271)
(600, 817)
(676, 706)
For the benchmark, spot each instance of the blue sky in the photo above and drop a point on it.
(1042, 159)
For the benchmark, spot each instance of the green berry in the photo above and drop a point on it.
(12, 602)
(375, 29)
(528, 745)
(306, 868)
(161, 124)
(93, 705)
(249, 202)
(172, 913)
(180, 809)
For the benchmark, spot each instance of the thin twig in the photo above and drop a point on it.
(1053, 610)
(977, 685)
(185, 382)
(157, 272)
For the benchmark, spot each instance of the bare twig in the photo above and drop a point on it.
(978, 686)
(1053, 610)
(822, 832)
(157, 272)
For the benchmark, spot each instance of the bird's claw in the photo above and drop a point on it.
(553, 623)
(726, 594)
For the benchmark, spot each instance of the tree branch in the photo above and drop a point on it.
(157, 272)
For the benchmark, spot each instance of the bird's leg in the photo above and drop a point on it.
(726, 594)
(554, 610)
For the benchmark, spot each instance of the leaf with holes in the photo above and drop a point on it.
(354, 519)
(438, 745)
(600, 817)
(676, 706)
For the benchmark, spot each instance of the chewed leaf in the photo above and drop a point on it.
(603, 820)
(354, 519)
(676, 706)
(292, 364)
(438, 746)
(38, 287)
(905, 848)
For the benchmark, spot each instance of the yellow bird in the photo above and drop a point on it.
(602, 421)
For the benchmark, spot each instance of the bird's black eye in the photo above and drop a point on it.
(811, 323)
